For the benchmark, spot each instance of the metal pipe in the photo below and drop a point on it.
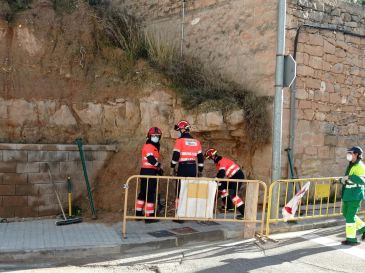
(182, 28)
(278, 103)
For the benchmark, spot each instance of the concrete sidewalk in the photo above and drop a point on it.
(43, 239)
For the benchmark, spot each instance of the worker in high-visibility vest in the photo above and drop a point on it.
(352, 193)
(187, 155)
(228, 191)
(150, 166)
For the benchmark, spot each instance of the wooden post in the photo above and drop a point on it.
(251, 200)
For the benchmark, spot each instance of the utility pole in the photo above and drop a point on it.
(278, 103)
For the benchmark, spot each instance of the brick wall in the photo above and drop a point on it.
(25, 188)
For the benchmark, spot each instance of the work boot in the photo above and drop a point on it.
(230, 206)
(240, 217)
(139, 213)
(151, 221)
(363, 237)
(350, 243)
(241, 209)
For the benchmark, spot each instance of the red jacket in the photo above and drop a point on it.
(228, 166)
(149, 150)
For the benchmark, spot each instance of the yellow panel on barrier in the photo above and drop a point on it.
(322, 191)
(196, 190)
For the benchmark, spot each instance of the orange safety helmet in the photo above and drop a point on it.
(182, 125)
(210, 153)
(154, 131)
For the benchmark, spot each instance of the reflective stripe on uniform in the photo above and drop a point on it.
(224, 193)
(149, 208)
(359, 223)
(139, 205)
(351, 230)
(237, 201)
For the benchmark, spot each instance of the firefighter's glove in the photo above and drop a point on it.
(349, 182)
(343, 180)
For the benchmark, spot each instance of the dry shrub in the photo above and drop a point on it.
(198, 86)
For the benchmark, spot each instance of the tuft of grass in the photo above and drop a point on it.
(65, 6)
(124, 31)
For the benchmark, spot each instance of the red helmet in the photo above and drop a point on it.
(210, 153)
(182, 125)
(154, 131)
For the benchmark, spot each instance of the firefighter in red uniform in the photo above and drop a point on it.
(187, 153)
(228, 193)
(150, 166)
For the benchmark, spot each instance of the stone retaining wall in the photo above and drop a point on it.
(25, 187)
(330, 85)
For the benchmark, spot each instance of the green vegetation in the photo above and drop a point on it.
(359, 2)
(67, 6)
(199, 88)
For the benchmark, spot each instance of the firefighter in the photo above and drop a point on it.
(187, 155)
(228, 191)
(352, 194)
(150, 166)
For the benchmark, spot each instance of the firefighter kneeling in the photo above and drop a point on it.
(228, 191)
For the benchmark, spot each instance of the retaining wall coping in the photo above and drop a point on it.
(57, 147)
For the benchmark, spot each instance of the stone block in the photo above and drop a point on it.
(7, 190)
(38, 178)
(73, 156)
(303, 104)
(29, 167)
(313, 50)
(14, 179)
(21, 112)
(24, 190)
(235, 118)
(324, 152)
(7, 167)
(338, 68)
(312, 83)
(53, 166)
(15, 201)
(23, 212)
(70, 167)
(19, 156)
(315, 62)
(89, 113)
(6, 212)
(328, 47)
(214, 119)
(331, 140)
(63, 117)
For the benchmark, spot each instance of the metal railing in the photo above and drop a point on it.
(252, 192)
(322, 200)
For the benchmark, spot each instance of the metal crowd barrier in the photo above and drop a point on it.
(322, 200)
(252, 192)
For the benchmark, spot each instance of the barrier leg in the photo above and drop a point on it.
(251, 201)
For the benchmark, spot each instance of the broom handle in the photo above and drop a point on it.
(55, 190)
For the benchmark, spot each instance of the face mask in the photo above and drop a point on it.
(155, 139)
(349, 157)
(178, 134)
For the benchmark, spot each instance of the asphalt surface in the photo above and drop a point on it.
(307, 251)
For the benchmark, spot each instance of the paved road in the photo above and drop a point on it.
(310, 251)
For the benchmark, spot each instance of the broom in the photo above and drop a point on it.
(65, 221)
